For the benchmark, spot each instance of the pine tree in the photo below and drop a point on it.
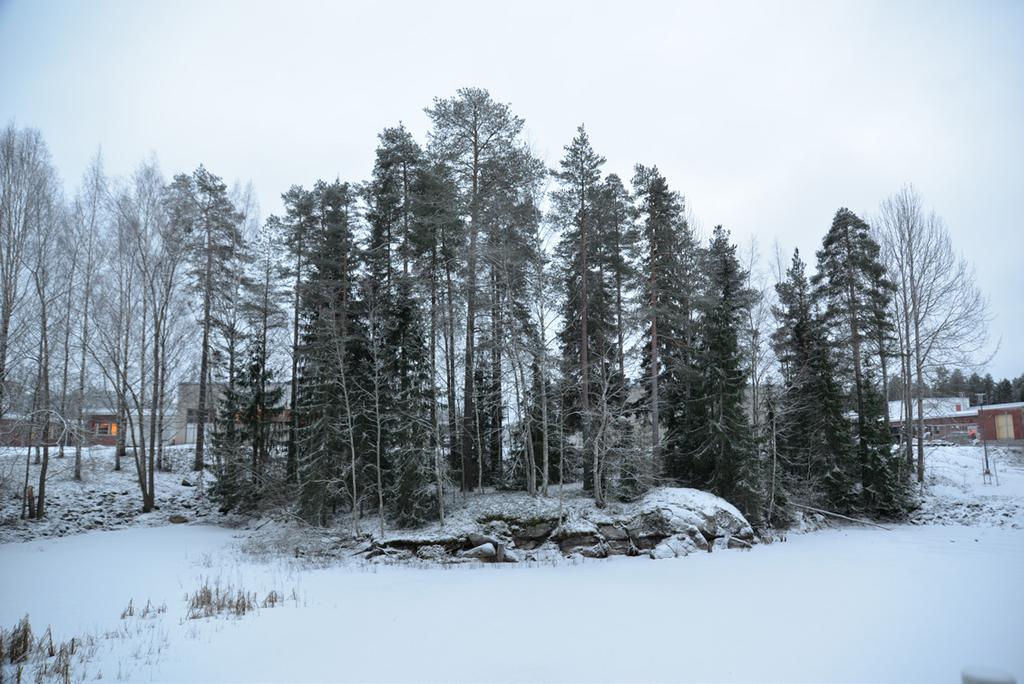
(476, 138)
(201, 209)
(389, 196)
(511, 247)
(850, 283)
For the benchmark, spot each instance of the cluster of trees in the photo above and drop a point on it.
(99, 299)
(973, 386)
(454, 324)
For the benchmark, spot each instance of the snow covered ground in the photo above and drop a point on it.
(958, 493)
(104, 499)
(918, 603)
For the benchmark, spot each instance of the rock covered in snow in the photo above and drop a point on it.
(485, 551)
(513, 556)
(665, 523)
(676, 546)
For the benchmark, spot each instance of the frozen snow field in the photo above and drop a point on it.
(915, 604)
(918, 603)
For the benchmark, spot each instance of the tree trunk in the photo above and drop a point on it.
(457, 455)
(291, 465)
(655, 419)
(204, 362)
(588, 478)
(496, 389)
(435, 417)
(470, 411)
(544, 413)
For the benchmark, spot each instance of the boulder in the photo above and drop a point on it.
(621, 547)
(598, 550)
(576, 542)
(675, 546)
(546, 552)
(613, 532)
(482, 552)
(541, 530)
(476, 539)
(498, 529)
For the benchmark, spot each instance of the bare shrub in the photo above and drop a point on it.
(19, 641)
(273, 598)
(47, 660)
(209, 601)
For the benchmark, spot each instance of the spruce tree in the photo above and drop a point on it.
(399, 386)
(586, 334)
(667, 256)
(409, 392)
(616, 232)
(330, 434)
(811, 434)
(725, 459)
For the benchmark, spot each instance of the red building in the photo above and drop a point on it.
(1002, 422)
(953, 419)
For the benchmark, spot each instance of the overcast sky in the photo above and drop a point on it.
(767, 116)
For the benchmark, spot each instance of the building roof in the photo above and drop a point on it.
(1011, 405)
(934, 407)
(937, 408)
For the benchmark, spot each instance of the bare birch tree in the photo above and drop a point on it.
(944, 317)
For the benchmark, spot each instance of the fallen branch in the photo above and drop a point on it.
(839, 515)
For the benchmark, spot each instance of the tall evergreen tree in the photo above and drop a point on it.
(414, 491)
(476, 138)
(614, 218)
(438, 236)
(850, 283)
(726, 458)
(330, 436)
(298, 228)
(812, 435)
(201, 209)
(400, 384)
(389, 196)
(667, 256)
(586, 333)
